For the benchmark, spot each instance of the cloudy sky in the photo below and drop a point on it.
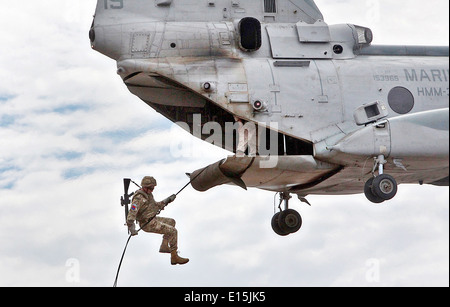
(70, 131)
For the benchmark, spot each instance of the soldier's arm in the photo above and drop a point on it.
(160, 204)
(165, 202)
(136, 203)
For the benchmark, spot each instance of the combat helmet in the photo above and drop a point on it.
(148, 181)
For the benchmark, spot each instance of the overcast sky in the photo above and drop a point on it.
(70, 131)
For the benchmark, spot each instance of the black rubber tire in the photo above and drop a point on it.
(290, 221)
(384, 186)
(276, 226)
(369, 194)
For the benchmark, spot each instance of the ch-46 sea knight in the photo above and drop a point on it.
(335, 114)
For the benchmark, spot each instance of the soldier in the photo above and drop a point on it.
(143, 208)
(247, 138)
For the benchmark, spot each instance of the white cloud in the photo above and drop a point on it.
(71, 131)
(393, 22)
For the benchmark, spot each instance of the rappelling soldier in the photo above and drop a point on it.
(143, 208)
(247, 138)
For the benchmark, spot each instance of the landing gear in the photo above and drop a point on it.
(371, 195)
(276, 226)
(382, 187)
(286, 221)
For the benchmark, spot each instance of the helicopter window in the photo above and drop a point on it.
(401, 100)
(250, 33)
(270, 6)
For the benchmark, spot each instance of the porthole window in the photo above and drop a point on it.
(401, 100)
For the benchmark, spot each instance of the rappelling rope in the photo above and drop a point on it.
(125, 249)
(151, 219)
(120, 264)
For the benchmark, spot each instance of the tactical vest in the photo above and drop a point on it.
(148, 209)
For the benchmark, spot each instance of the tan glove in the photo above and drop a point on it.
(169, 199)
(132, 229)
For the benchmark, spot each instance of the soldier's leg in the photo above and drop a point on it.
(166, 227)
(166, 238)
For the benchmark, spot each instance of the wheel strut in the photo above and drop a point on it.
(379, 163)
(285, 196)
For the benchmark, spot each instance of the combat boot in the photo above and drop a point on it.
(164, 247)
(175, 259)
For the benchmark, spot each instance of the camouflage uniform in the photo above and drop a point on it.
(143, 208)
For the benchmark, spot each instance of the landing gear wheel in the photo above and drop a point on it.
(290, 221)
(384, 186)
(276, 226)
(369, 194)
